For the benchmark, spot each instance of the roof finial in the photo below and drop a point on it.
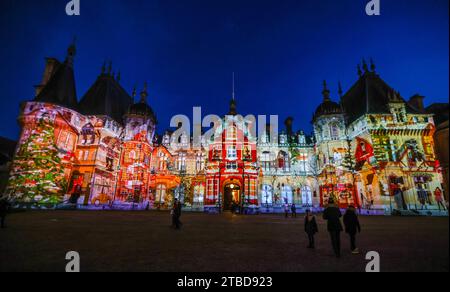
(325, 92)
(365, 67)
(133, 94)
(372, 65)
(71, 52)
(110, 68)
(340, 91)
(234, 93)
(359, 70)
(104, 68)
(144, 93)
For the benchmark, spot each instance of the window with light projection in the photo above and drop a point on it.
(38, 173)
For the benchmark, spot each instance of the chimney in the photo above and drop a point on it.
(288, 123)
(416, 102)
(51, 66)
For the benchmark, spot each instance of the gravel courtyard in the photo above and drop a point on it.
(144, 241)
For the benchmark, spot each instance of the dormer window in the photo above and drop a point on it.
(334, 132)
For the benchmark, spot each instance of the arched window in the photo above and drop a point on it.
(306, 196)
(199, 194)
(267, 194)
(161, 191)
(132, 155)
(286, 195)
(283, 161)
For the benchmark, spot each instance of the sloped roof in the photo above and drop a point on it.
(440, 112)
(106, 97)
(7, 149)
(370, 95)
(61, 89)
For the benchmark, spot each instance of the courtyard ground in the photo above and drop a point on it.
(143, 241)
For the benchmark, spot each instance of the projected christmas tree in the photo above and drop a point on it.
(38, 174)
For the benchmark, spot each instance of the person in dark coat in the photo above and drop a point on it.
(333, 215)
(352, 227)
(294, 211)
(311, 228)
(176, 214)
(4, 208)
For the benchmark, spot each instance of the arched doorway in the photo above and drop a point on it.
(232, 195)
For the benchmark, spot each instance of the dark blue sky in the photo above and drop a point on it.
(281, 50)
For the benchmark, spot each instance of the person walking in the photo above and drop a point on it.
(4, 208)
(352, 227)
(176, 215)
(439, 199)
(294, 211)
(311, 228)
(333, 215)
(286, 210)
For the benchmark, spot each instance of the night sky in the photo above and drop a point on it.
(281, 51)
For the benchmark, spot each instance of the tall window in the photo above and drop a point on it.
(283, 161)
(199, 194)
(161, 193)
(266, 161)
(232, 133)
(181, 162)
(286, 194)
(232, 152)
(267, 194)
(306, 196)
(200, 162)
(334, 131)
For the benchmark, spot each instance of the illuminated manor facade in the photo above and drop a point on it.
(102, 152)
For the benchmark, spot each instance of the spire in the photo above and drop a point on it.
(110, 67)
(233, 107)
(372, 65)
(104, 68)
(119, 76)
(71, 52)
(365, 66)
(233, 93)
(144, 93)
(325, 92)
(133, 94)
(340, 91)
(359, 70)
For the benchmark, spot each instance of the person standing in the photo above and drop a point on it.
(311, 228)
(178, 213)
(439, 199)
(333, 215)
(294, 211)
(352, 227)
(4, 208)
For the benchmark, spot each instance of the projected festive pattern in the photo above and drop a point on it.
(103, 152)
(38, 173)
